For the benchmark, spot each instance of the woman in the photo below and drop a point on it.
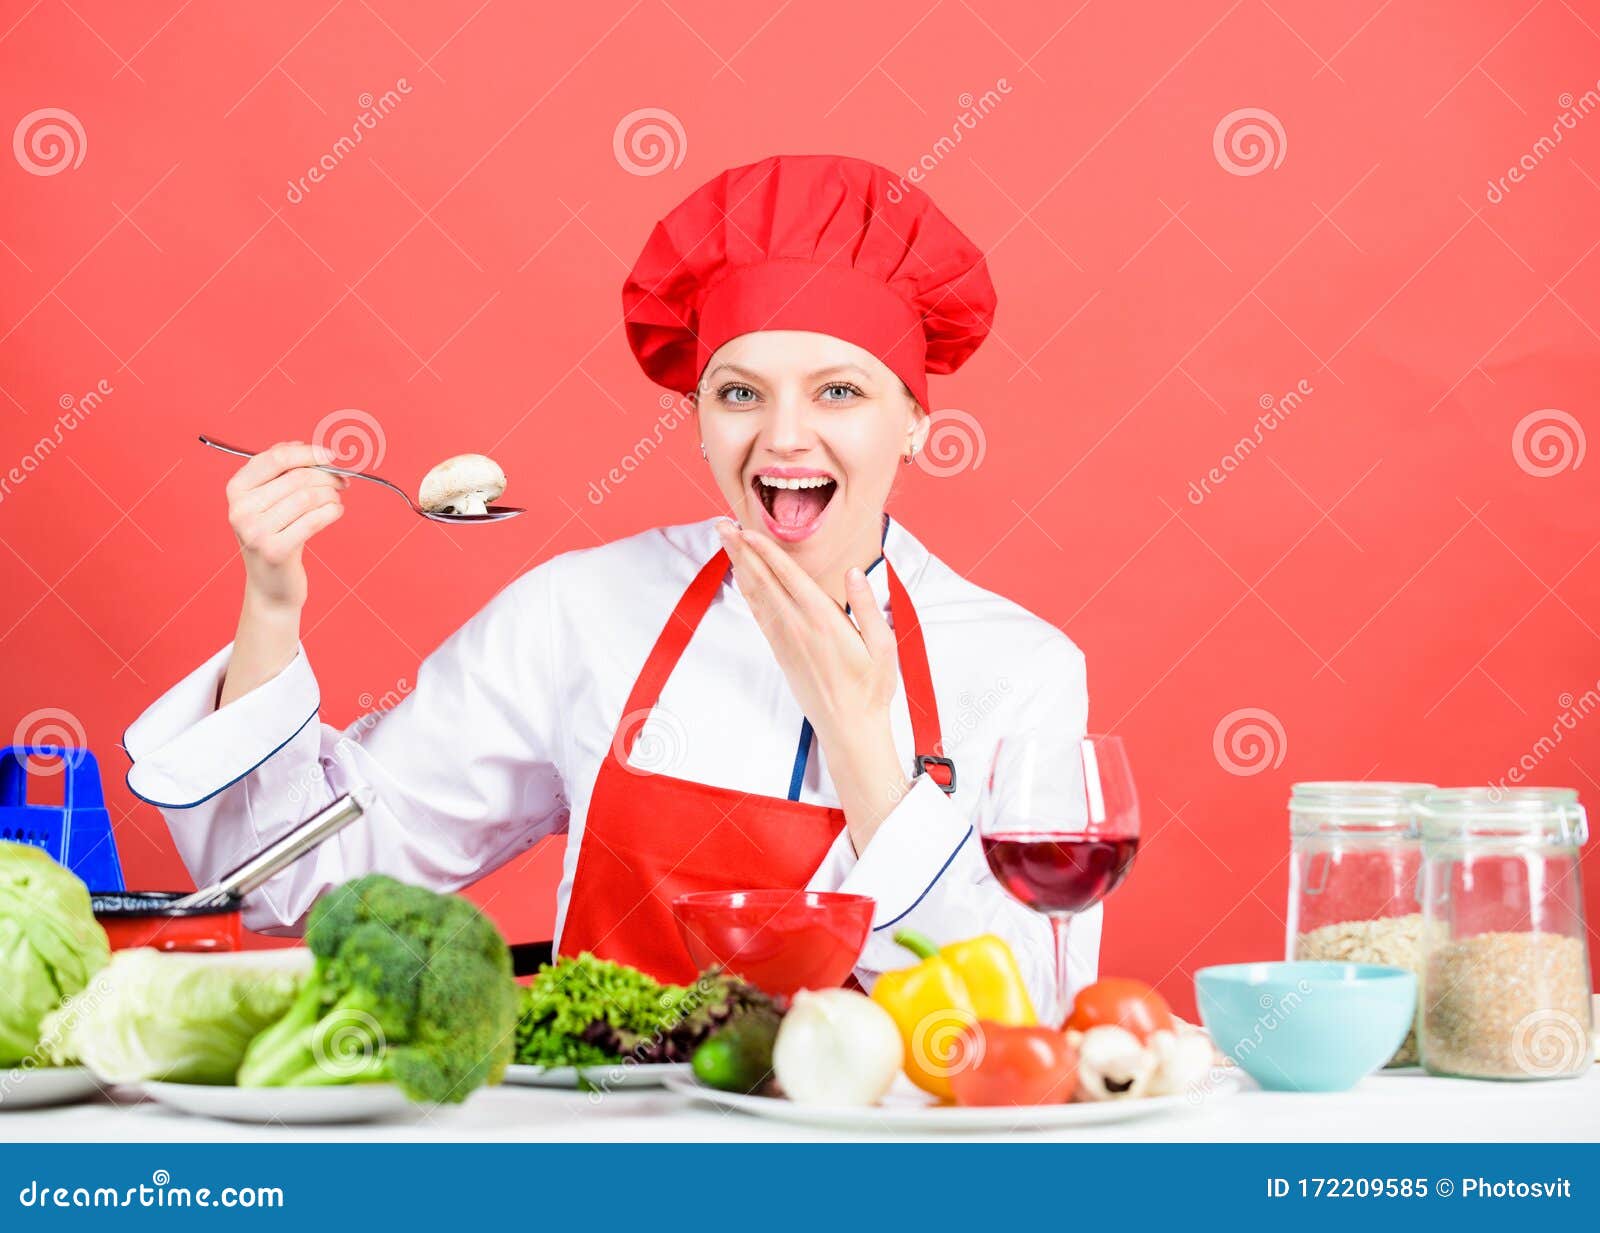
(823, 718)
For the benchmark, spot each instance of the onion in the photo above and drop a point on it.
(836, 1047)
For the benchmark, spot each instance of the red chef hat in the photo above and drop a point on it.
(808, 242)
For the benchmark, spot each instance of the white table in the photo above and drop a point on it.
(1403, 1106)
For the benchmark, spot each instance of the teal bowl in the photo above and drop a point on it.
(1304, 1026)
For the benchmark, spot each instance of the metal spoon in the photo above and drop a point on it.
(279, 855)
(495, 513)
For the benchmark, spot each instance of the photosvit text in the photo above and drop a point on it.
(1416, 1188)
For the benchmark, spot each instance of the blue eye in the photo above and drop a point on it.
(848, 389)
(727, 392)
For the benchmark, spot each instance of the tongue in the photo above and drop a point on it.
(797, 507)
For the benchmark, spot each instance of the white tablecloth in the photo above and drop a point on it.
(1403, 1106)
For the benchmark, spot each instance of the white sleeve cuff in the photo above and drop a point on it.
(184, 751)
(911, 850)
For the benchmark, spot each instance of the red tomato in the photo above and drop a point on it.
(1129, 1004)
(1003, 1065)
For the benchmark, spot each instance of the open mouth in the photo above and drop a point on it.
(793, 502)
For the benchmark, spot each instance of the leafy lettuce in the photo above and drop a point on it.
(50, 944)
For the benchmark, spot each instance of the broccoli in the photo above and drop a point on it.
(409, 987)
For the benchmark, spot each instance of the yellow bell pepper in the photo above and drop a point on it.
(953, 987)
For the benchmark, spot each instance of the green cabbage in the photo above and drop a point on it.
(180, 1017)
(50, 944)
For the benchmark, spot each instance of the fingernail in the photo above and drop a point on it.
(854, 574)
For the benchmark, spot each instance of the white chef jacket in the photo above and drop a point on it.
(500, 742)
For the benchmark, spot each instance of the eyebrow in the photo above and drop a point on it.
(756, 377)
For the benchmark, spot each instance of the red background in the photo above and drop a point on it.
(1381, 575)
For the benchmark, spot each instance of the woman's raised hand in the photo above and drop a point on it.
(276, 502)
(844, 678)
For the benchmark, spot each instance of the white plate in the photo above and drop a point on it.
(34, 1087)
(907, 1108)
(606, 1077)
(353, 1102)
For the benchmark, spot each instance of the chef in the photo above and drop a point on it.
(797, 693)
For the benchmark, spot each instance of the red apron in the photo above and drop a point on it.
(649, 838)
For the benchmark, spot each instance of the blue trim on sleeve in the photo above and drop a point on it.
(231, 782)
(886, 924)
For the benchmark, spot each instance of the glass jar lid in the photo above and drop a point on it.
(1549, 815)
(1356, 805)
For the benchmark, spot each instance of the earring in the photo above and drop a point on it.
(703, 451)
(911, 452)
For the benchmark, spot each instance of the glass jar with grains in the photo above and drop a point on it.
(1355, 878)
(1505, 985)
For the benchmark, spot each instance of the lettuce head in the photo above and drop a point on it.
(184, 1018)
(50, 944)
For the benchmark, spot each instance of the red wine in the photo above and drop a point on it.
(1060, 873)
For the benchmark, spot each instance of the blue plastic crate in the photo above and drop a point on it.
(76, 832)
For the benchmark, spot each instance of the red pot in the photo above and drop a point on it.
(146, 918)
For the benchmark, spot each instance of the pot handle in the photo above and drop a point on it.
(283, 852)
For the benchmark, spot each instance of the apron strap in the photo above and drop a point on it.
(692, 608)
(926, 738)
(664, 656)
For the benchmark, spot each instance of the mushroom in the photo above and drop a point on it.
(465, 484)
(1112, 1063)
(1183, 1058)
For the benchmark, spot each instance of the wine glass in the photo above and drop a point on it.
(1060, 826)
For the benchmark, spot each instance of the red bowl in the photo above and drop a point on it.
(780, 941)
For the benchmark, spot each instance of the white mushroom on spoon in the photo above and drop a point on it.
(464, 485)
